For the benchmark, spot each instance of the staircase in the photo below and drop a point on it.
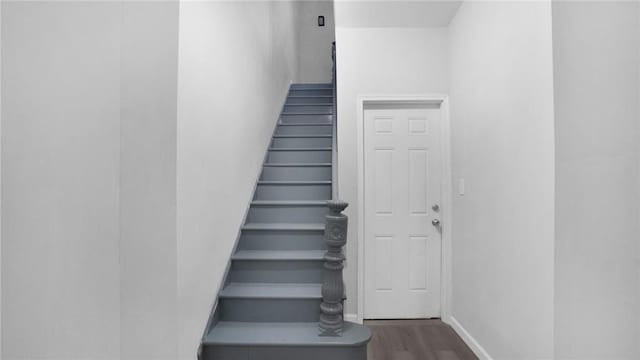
(269, 306)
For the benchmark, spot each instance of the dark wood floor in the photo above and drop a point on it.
(415, 340)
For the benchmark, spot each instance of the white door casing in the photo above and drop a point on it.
(402, 183)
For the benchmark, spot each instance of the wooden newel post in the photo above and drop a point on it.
(335, 235)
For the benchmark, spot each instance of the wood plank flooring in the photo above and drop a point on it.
(415, 340)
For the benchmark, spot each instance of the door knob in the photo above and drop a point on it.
(435, 222)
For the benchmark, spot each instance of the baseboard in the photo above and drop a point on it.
(475, 346)
(351, 318)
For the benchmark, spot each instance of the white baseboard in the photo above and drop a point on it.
(475, 346)
(351, 318)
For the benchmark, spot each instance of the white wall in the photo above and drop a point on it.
(148, 97)
(502, 141)
(0, 181)
(314, 42)
(596, 57)
(378, 61)
(230, 92)
(89, 159)
(60, 178)
(395, 13)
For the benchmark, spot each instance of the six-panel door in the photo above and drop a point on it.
(401, 185)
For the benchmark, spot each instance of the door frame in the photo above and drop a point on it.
(446, 190)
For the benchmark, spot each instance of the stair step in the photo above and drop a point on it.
(285, 334)
(293, 190)
(302, 149)
(284, 226)
(303, 172)
(276, 271)
(311, 92)
(271, 291)
(289, 155)
(311, 100)
(304, 129)
(310, 104)
(306, 118)
(307, 113)
(279, 255)
(282, 239)
(288, 183)
(310, 141)
(309, 124)
(294, 211)
(289, 202)
(312, 86)
(266, 302)
(317, 136)
(298, 165)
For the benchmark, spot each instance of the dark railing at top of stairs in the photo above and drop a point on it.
(335, 236)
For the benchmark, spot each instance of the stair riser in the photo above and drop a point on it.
(305, 118)
(311, 92)
(309, 100)
(284, 353)
(276, 310)
(287, 214)
(286, 143)
(299, 156)
(293, 192)
(304, 130)
(312, 86)
(282, 240)
(296, 173)
(276, 271)
(308, 108)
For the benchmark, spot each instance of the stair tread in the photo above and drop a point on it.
(271, 291)
(328, 103)
(301, 136)
(307, 113)
(302, 149)
(283, 226)
(297, 182)
(327, 84)
(289, 202)
(279, 255)
(296, 164)
(306, 124)
(279, 334)
(310, 96)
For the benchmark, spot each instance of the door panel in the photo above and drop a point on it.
(401, 184)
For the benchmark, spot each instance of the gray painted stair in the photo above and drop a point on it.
(269, 306)
(296, 172)
(308, 99)
(301, 117)
(303, 129)
(293, 141)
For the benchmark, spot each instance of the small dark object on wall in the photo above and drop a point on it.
(320, 20)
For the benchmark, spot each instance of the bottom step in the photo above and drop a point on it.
(283, 341)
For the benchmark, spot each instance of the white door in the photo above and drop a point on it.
(402, 166)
